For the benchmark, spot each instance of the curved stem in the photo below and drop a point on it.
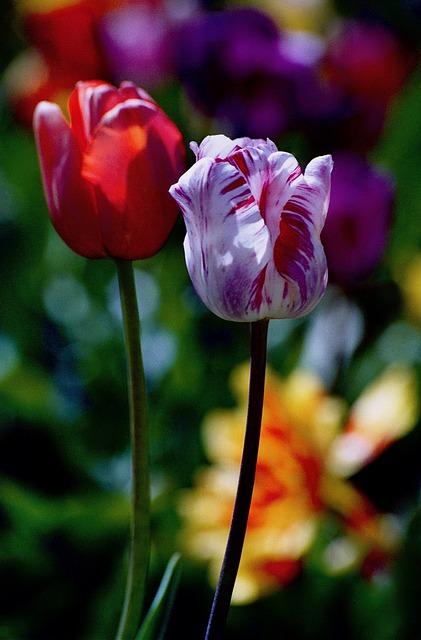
(230, 564)
(139, 431)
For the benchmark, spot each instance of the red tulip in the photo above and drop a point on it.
(106, 175)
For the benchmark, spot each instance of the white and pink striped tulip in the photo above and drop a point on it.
(253, 221)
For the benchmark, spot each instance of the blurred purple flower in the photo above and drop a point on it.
(135, 39)
(237, 67)
(367, 60)
(357, 227)
(364, 66)
(138, 39)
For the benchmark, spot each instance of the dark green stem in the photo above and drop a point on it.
(139, 431)
(230, 564)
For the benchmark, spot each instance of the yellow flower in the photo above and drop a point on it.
(410, 283)
(303, 15)
(310, 443)
(45, 6)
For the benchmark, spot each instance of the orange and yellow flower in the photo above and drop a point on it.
(310, 444)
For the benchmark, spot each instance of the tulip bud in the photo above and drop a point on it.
(253, 222)
(106, 174)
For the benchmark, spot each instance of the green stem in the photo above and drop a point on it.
(230, 564)
(140, 523)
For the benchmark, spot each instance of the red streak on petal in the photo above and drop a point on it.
(262, 201)
(238, 160)
(235, 184)
(293, 251)
(295, 174)
(242, 204)
(257, 290)
(296, 207)
(248, 201)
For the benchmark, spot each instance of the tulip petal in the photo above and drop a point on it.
(284, 172)
(252, 163)
(87, 105)
(132, 159)
(70, 200)
(220, 146)
(227, 245)
(93, 99)
(317, 177)
(298, 253)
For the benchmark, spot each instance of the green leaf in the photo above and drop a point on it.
(157, 616)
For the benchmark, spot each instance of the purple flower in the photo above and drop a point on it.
(363, 67)
(237, 67)
(138, 40)
(356, 231)
(368, 61)
(253, 220)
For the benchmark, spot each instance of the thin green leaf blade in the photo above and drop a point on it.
(160, 608)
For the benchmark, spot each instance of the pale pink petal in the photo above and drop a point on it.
(220, 146)
(317, 177)
(267, 146)
(70, 199)
(227, 243)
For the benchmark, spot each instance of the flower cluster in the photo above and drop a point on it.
(268, 232)
(252, 75)
(340, 86)
(311, 444)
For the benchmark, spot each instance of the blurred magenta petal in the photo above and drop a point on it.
(356, 231)
(368, 60)
(364, 66)
(137, 40)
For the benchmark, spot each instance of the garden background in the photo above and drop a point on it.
(347, 82)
